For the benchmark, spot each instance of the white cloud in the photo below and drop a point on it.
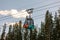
(14, 13)
(5, 12)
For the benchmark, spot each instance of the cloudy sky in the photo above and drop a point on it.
(15, 10)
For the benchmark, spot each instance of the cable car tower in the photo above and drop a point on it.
(29, 22)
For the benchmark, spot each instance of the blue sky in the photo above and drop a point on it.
(19, 5)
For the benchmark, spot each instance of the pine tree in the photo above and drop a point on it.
(42, 30)
(48, 25)
(40, 37)
(58, 26)
(54, 28)
(47, 33)
(16, 31)
(20, 33)
(13, 31)
(3, 32)
(51, 27)
(9, 36)
(31, 34)
(58, 29)
(35, 34)
(26, 34)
